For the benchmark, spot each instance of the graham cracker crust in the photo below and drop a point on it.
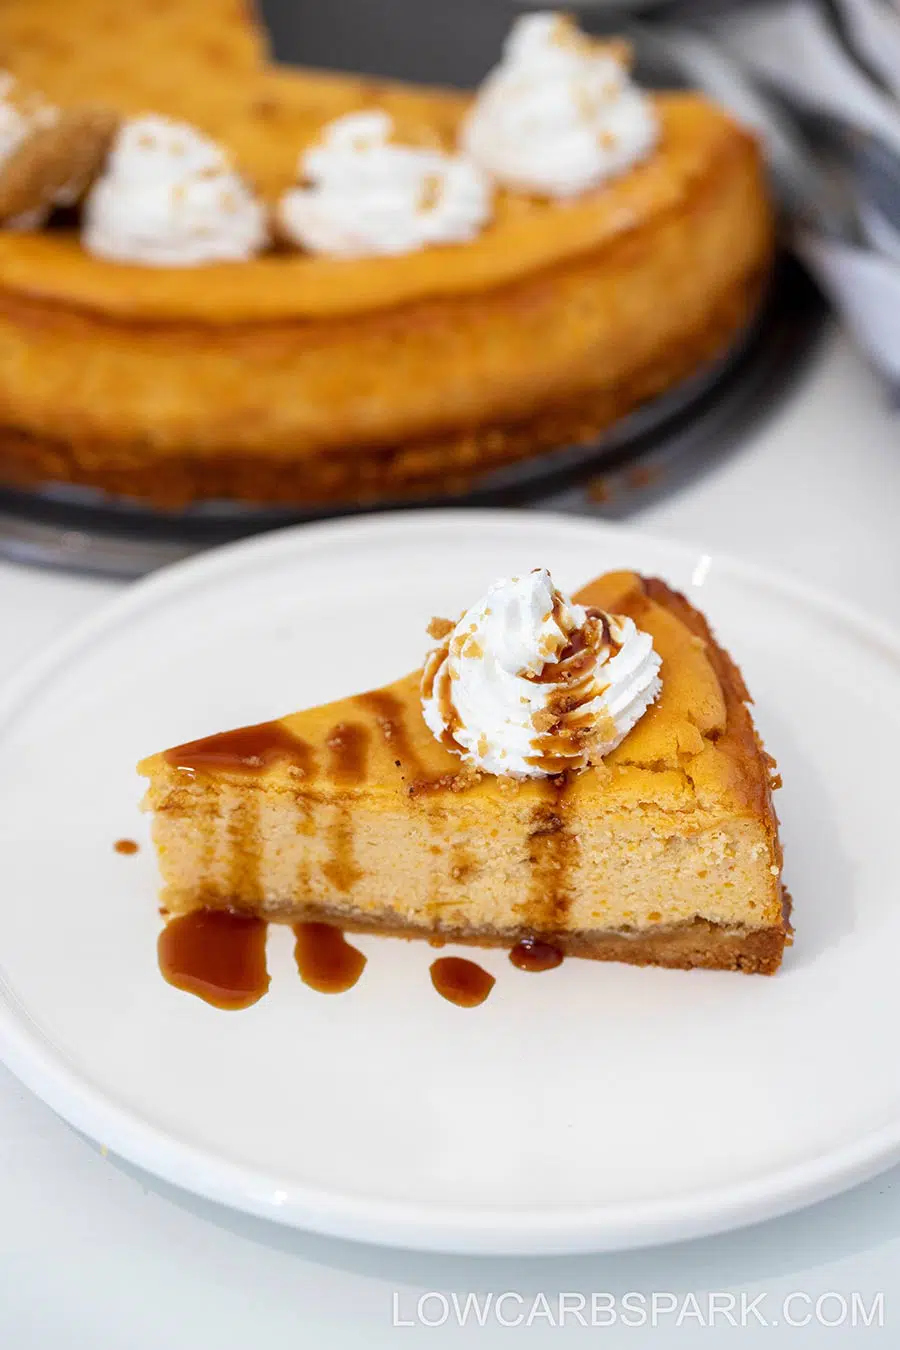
(453, 462)
(696, 944)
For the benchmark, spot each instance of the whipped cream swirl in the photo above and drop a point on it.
(361, 195)
(560, 114)
(530, 684)
(171, 198)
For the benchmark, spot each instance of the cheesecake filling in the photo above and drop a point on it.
(362, 195)
(560, 114)
(529, 684)
(170, 197)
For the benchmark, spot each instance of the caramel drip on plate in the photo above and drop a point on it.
(532, 954)
(126, 846)
(244, 750)
(460, 981)
(325, 959)
(217, 956)
(220, 956)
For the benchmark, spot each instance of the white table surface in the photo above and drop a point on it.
(94, 1256)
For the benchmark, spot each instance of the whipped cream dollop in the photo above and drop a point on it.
(362, 195)
(560, 114)
(530, 684)
(170, 197)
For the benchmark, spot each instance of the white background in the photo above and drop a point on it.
(94, 1256)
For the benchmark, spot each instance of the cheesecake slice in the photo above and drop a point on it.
(666, 852)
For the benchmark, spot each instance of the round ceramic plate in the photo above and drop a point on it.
(591, 1107)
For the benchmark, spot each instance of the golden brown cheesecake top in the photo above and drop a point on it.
(525, 236)
(205, 66)
(695, 747)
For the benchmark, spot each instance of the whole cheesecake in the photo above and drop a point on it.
(299, 378)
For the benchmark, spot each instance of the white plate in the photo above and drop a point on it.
(592, 1107)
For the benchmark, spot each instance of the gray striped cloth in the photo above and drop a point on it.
(820, 82)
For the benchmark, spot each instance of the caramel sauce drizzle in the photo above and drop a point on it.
(532, 954)
(553, 849)
(553, 845)
(216, 955)
(348, 751)
(564, 744)
(462, 864)
(341, 869)
(126, 846)
(436, 676)
(245, 750)
(245, 850)
(325, 959)
(449, 714)
(460, 981)
(389, 714)
(249, 751)
(220, 957)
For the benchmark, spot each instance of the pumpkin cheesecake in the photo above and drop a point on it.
(583, 774)
(534, 301)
